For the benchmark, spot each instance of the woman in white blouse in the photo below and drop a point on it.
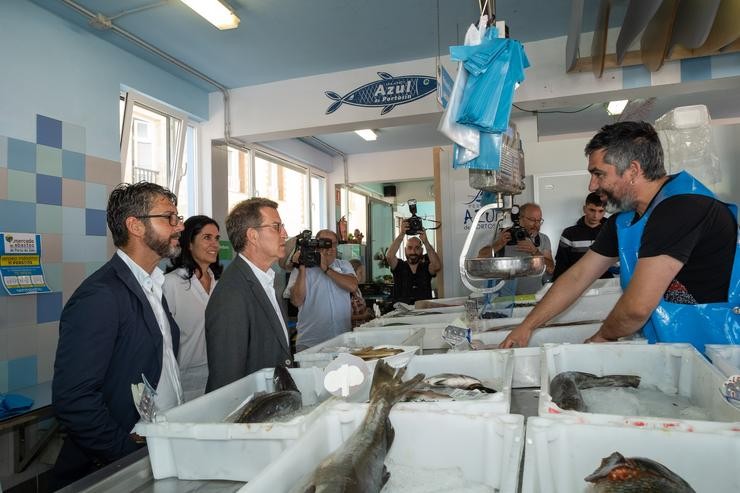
(188, 285)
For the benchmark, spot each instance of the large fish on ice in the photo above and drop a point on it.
(619, 474)
(358, 465)
(565, 388)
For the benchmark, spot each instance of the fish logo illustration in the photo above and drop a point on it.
(388, 92)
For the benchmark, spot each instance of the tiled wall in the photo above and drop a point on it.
(53, 188)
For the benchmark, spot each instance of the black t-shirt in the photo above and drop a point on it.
(408, 286)
(696, 230)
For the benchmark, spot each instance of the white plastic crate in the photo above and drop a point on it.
(493, 368)
(726, 357)
(561, 452)
(439, 318)
(667, 366)
(409, 340)
(418, 312)
(487, 448)
(193, 442)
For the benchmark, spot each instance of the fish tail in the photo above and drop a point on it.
(333, 107)
(618, 381)
(482, 388)
(333, 96)
(388, 385)
(282, 379)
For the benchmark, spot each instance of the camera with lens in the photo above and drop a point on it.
(518, 233)
(309, 247)
(414, 222)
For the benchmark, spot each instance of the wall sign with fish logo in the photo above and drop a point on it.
(387, 92)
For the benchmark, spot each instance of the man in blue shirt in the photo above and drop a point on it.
(322, 295)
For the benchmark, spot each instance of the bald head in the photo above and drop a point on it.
(414, 250)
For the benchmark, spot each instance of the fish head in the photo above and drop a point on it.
(608, 466)
(282, 379)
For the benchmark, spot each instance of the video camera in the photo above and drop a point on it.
(309, 247)
(414, 222)
(518, 233)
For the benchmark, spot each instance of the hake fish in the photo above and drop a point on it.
(371, 352)
(358, 465)
(265, 407)
(566, 387)
(619, 474)
(457, 381)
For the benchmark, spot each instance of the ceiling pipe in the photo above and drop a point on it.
(169, 58)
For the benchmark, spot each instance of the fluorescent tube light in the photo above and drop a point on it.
(215, 12)
(617, 107)
(367, 134)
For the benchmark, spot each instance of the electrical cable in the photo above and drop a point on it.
(534, 112)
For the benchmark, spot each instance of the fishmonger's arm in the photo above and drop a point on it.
(652, 277)
(563, 293)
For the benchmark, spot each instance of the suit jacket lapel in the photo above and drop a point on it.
(264, 302)
(150, 320)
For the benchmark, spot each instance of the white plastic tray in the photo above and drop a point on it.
(726, 357)
(192, 441)
(486, 448)
(561, 452)
(678, 366)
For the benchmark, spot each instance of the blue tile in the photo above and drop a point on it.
(53, 273)
(696, 69)
(80, 248)
(635, 76)
(96, 196)
(73, 137)
(21, 186)
(95, 222)
(73, 165)
(48, 307)
(21, 155)
(725, 65)
(49, 219)
(3, 152)
(48, 189)
(48, 131)
(17, 217)
(73, 221)
(4, 376)
(22, 372)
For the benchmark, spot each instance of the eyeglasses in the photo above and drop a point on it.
(172, 217)
(536, 221)
(276, 226)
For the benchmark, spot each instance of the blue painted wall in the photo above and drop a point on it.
(59, 159)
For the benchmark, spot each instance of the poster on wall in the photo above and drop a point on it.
(20, 264)
(387, 92)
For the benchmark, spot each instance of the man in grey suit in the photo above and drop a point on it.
(245, 328)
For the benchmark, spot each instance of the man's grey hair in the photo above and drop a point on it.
(529, 205)
(624, 142)
(246, 214)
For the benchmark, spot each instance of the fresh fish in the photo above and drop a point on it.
(457, 381)
(619, 474)
(358, 464)
(265, 407)
(426, 394)
(371, 352)
(566, 387)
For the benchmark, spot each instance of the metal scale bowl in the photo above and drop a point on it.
(478, 269)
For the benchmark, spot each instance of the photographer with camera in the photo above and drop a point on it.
(412, 278)
(320, 287)
(521, 240)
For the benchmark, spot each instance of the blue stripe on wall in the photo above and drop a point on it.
(696, 69)
(635, 76)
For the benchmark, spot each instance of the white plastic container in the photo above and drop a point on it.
(594, 304)
(409, 340)
(438, 318)
(561, 452)
(487, 448)
(674, 366)
(493, 368)
(726, 357)
(193, 442)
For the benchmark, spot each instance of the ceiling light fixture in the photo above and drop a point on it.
(214, 11)
(367, 134)
(616, 107)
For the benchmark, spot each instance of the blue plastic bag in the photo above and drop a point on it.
(11, 404)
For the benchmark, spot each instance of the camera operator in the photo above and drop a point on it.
(412, 278)
(522, 240)
(320, 287)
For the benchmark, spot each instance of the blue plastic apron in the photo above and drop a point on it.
(708, 323)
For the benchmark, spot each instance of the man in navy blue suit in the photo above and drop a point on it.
(115, 328)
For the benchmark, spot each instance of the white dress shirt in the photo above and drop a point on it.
(169, 391)
(267, 281)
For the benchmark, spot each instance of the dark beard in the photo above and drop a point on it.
(413, 259)
(161, 247)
